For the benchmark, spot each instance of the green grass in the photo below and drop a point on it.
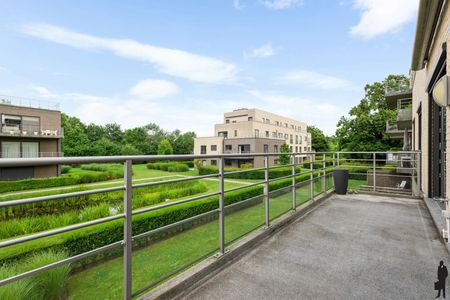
(354, 184)
(104, 281)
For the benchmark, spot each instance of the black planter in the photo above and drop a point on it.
(340, 178)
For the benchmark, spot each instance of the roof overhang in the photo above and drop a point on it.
(427, 21)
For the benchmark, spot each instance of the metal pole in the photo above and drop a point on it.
(127, 229)
(324, 175)
(294, 196)
(266, 189)
(221, 206)
(338, 159)
(374, 172)
(311, 177)
(419, 172)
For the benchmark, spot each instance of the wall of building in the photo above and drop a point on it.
(49, 119)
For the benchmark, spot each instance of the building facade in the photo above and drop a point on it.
(29, 132)
(254, 131)
(430, 122)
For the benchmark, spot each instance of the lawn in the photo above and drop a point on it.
(151, 263)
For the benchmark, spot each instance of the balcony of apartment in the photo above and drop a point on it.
(393, 130)
(30, 132)
(30, 155)
(396, 90)
(285, 235)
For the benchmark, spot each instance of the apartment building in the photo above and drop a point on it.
(430, 104)
(28, 131)
(254, 131)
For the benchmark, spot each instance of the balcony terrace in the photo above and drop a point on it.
(31, 132)
(284, 235)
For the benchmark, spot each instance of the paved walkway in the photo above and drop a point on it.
(351, 247)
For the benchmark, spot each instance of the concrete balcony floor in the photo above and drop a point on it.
(350, 247)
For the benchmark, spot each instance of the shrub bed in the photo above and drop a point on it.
(255, 174)
(90, 238)
(169, 166)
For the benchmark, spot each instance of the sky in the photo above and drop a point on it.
(182, 64)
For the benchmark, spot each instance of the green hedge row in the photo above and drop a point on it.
(255, 174)
(168, 166)
(90, 238)
(42, 183)
(101, 167)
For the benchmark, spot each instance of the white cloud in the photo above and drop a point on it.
(238, 4)
(149, 89)
(279, 4)
(317, 80)
(265, 50)
(174, 62)
(383, 16)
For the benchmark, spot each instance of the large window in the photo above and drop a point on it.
(256, 132)
(20, 124)
(20, 149)
(203, 149)
(213, 147)
(266, 148)
(30, 149)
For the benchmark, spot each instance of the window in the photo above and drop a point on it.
(213, 162)
(267, 134)
(256, 132)
(291, 139)
(244, 148)
(10, 149)
(228, 162)
(11, 124)
(30, 149)
(280, 135)
(235, 133)
(203, 149)
(306, 149)
(228, 148)
(274, 134)
(250, 118)
(286, 136)
(285, 124)
(30, 125)
(296, 149)
(264, 120)
(277, 123)
(227, 121)
(275, 148)
(290, 148)
(233, 121)
(213, 147)
(267, 121)
(266, 148)
(296, 139)
(223, 133)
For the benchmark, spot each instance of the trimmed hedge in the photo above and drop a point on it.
(168, 166)
(90, 238)
(256, 174)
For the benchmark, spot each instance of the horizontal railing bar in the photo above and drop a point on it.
(243, 171)
(59, 230)
(280, 178)
(60, 263)
(156, 207)
(244, 186)
(15, 162)
(147, 233)
(243, 201)
(59, 196)
(139, 185)
(282, 166)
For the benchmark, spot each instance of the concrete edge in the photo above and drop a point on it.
(195, 276)
(437, 221)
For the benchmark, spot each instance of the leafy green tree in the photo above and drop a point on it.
(319, 140)
(182, 143)
(365, 128)
(284, 159)
(129, 150)
(75, 140)
(165, 148)
(95, 132)
(155, 136)
(138, 139)
(114, 132)
(105, 147)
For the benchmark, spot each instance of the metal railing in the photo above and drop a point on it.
(397, 87)
(31, 131)
(312, 176)
(27, 102)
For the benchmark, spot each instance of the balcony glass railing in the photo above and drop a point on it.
(397, 87)
(25, 102)
(30, 131)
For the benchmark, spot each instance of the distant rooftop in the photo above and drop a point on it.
(27, 102)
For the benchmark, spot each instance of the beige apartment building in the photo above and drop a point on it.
(254, 131)
(28, 131)
(430, 121)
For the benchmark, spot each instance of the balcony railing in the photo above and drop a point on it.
(397, 87)
(30, 131)
(26, 102)
(272, 197)
(30, 155)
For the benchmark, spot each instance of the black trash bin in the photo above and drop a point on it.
(340, 177)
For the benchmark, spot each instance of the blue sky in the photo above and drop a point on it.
(182, 63)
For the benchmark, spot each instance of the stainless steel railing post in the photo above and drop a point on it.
(294, 196)
(324, 182)
(221, 206)
(374, 172)
(127, 230)
(266, 190)
(311, 176)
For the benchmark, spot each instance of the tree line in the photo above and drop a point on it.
(82, 139)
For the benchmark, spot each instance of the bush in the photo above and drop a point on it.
(178, 168)
(168, 166)
(246, 166)
(101, 167)
(45, 285)
(65, 169)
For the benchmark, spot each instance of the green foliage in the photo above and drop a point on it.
(65, 169)
(247, 166)
(284, 159)
(165, 148)
(319, 140)
(47, 285)
(102, 167)
(197, 164)
(169, 166)
(365, 128)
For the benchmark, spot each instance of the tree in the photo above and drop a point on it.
(155, 136)
(75, 140)
(365, 128)
(284, 159)
(95, 132)
(129, 150)
(138, 139)
(319, 140)
(165, 148)
(114, 132)
(182, 143)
